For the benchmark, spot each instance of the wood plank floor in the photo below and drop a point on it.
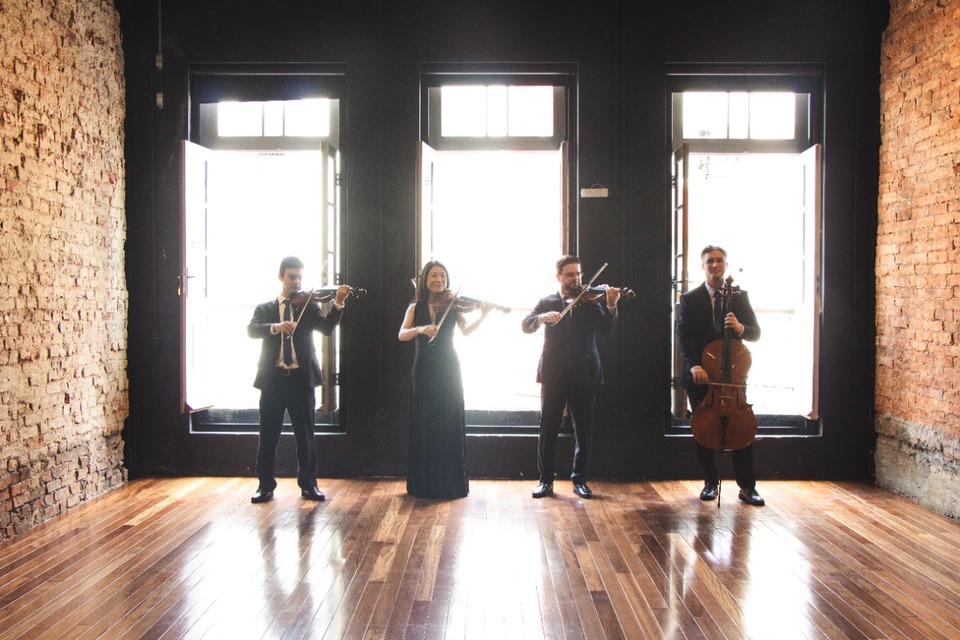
(193, 558)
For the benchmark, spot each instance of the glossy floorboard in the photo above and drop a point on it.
(192, 558)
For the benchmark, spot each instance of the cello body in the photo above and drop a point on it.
(724, 419)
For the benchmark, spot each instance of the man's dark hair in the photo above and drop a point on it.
(290, 262)
(564, 261)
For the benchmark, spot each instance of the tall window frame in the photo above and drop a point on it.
(559, 141)
(274, 86)
(806, 82)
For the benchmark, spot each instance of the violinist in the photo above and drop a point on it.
(569, 372)
(437, 466)
(288, 373)
(696, 328)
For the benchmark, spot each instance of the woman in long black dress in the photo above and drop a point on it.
(437, 466)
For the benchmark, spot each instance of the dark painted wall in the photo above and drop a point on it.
(621, 49)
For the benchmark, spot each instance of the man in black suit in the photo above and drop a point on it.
(696, 328)
(569, 371)
(288, 373)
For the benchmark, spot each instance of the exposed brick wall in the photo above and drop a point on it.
(918, 255)
(63, 300)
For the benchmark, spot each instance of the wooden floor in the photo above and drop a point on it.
(193, 558)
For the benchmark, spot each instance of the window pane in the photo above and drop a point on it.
(273, 118)
(463, 111)
(739, 115)
(240, 119)
(772, 116)
(704, 115)
(476, 196)
(307, 118)
(496, 111)
(531, 111)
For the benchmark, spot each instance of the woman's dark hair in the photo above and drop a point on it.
(421, 292)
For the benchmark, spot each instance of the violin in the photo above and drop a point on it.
(323, 294)
(724, 419)
(595, 294)
(467, 304)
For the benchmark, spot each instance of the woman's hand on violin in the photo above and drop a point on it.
(549, 317)
(429, 330)
(731, 322)
(699, 375)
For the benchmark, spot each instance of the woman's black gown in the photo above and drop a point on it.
(437, 467)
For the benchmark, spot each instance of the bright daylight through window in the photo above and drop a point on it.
(495, 217)
(762, 206)
(228, 193)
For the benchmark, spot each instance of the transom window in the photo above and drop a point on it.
(469, 110)
(757, 115)
(496, 111)
(275, 118)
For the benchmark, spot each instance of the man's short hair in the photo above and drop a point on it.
(290, 262)
(564, 261)
(710, 248)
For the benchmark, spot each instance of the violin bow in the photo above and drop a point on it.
(446, 312)
(296, 323)
(582, 291)
(323, 274)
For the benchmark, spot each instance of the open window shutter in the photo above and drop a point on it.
(680, 267)
(426, 166)
(809, 321)
(194, 316)
(331, 233)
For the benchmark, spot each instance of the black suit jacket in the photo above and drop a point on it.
(695, 326)
(571, 343)
(313, 319)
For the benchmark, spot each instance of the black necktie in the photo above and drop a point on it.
(717, 315)
(287, 338)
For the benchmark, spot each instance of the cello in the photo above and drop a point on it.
(724, 419)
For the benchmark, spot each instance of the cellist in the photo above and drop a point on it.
(696, 328)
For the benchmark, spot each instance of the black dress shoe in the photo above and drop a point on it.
(543, 489)
(710, 490)
(261, 496)
(752, 497)
(582, 490)
(312, 494)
